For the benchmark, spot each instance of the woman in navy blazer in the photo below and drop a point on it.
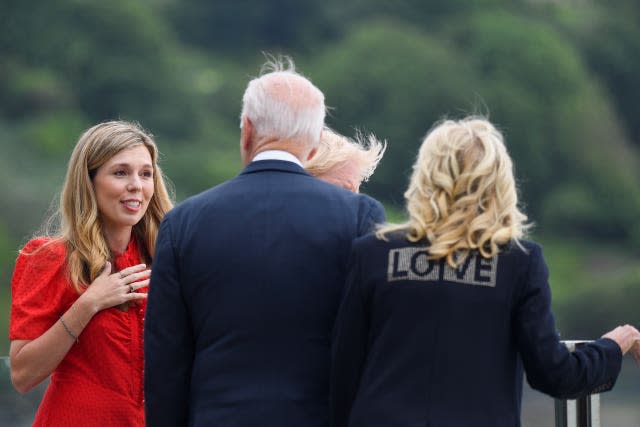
(444, 312)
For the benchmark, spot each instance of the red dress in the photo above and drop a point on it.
(99, 382)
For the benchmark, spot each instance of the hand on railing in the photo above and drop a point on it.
(628, 338)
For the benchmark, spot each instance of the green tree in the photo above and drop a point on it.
(575, 164)
(609, 39)
(108, 60)
(238, 27)
(394, 81)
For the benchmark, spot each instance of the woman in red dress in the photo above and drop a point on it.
(79, 296)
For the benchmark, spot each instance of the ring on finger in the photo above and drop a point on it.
(130, 288)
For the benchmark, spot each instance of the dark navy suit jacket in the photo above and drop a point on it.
(246, 283)
(418, 343)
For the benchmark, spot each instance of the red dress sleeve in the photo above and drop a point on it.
(40, 291)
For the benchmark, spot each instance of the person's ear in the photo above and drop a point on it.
(246, 140)
(312, 153)
(245, 134)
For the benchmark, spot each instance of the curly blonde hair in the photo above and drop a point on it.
(462, 193)
(79, 220)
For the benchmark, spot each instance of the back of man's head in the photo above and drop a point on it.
(283, 105)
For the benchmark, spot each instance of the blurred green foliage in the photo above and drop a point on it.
(380, 79)
(595, 286)
(557, 77)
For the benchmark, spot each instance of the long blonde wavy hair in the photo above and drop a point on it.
(462, 194)
(80, 225)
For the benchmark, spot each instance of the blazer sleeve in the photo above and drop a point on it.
(168, 340)
(551, 368)
(349, 348)
(371, 213)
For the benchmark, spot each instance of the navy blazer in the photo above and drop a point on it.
(247, 279)
(418, 343)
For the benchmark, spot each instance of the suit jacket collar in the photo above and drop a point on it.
(273, 165)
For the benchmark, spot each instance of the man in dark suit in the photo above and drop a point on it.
(247, 277)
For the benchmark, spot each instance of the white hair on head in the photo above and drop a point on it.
(283, 104)
(277, 64)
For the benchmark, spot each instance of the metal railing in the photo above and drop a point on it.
(582, 412)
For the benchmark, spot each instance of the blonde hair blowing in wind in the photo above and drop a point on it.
(462, 193)
(337, 151)
(80, 224)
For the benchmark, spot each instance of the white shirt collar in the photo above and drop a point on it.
(277, 155)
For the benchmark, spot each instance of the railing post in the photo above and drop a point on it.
(582, 412)
(561, 413)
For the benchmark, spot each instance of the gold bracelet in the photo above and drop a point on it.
(66, 328)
